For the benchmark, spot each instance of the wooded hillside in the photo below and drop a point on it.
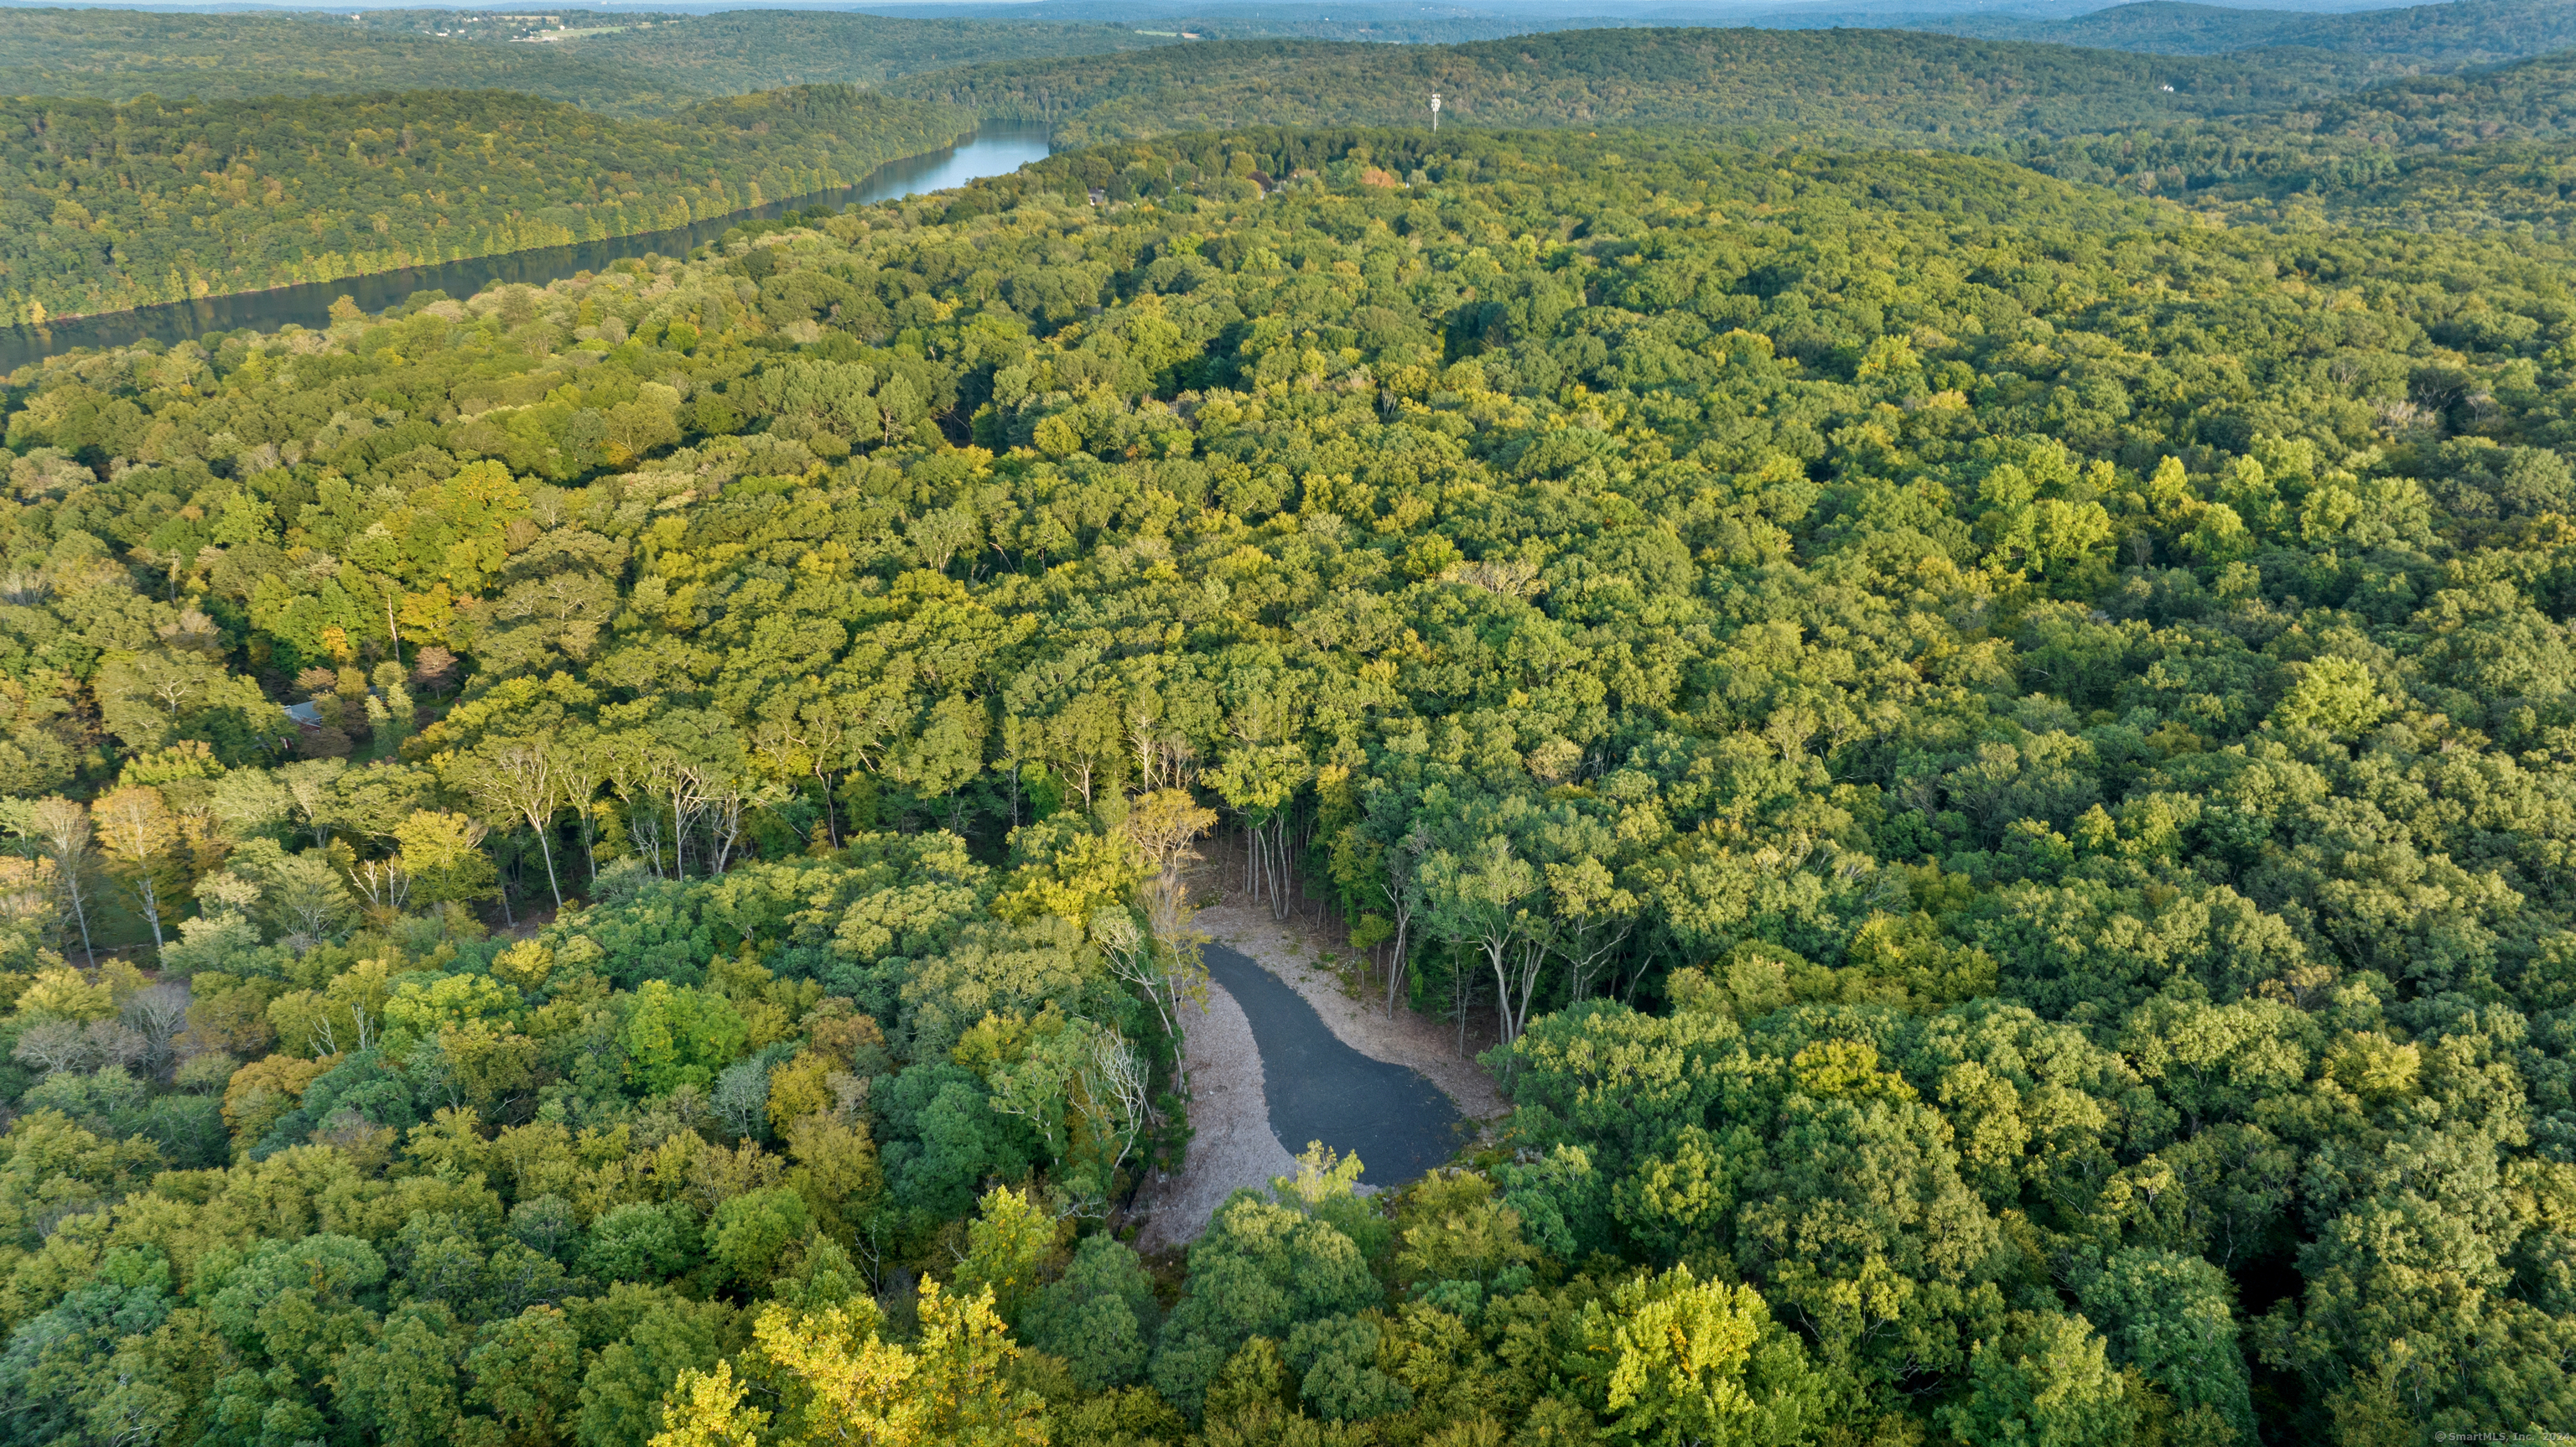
(1889, 85)
(646, 69)
(108, 206)
(2452, 34)
(2000, 760)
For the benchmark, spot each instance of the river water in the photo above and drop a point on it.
(994, 150)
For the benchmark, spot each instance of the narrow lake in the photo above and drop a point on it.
(994, 150)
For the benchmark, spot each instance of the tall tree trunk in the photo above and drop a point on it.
(546, 847)
(151, 908)
(1395, 967)
(1458, 999)
(80, 912)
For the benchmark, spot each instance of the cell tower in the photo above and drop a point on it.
(1435, 112)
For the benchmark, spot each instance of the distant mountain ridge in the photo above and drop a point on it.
(121, 54)
(2457, 33)
(1891, 86)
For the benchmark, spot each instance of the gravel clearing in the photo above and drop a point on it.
(1231, 1145)
(1292, 951)
(1321, 1091)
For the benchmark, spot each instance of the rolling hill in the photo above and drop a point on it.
(645, 69)
(1888, 86)
(2458, 33)
(105, 206)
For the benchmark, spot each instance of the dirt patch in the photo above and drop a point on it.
(1293, 950)
(1323, 1092)
(1230, 1143)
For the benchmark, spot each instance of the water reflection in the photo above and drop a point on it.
(994, 150)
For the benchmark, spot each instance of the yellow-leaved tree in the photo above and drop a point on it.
(839, 1381)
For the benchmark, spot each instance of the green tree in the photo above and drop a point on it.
(1675, 1360)
(2171, 1318)
(2048, 1381)
(653, 1337)
(1258, 1271)
(680, 1037)
(2334, 697)
(1100, 1316)
(1009, 1244)
(142, 841)
(404, 1388)
(750, 1233)
(1483, 900)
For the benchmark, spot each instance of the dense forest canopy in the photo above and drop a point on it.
(106, 206)
(109, 206)
(151, 200)
(2250, 140)
(1879, 85)
(2506, 187)
(1381, 23)
(121, 54)
(654, 66)
(2000, 759)
(650, 64)
(747, 50)
(2450, 34)
(2485, 148)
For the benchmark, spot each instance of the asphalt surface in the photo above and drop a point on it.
(1320, 1089)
